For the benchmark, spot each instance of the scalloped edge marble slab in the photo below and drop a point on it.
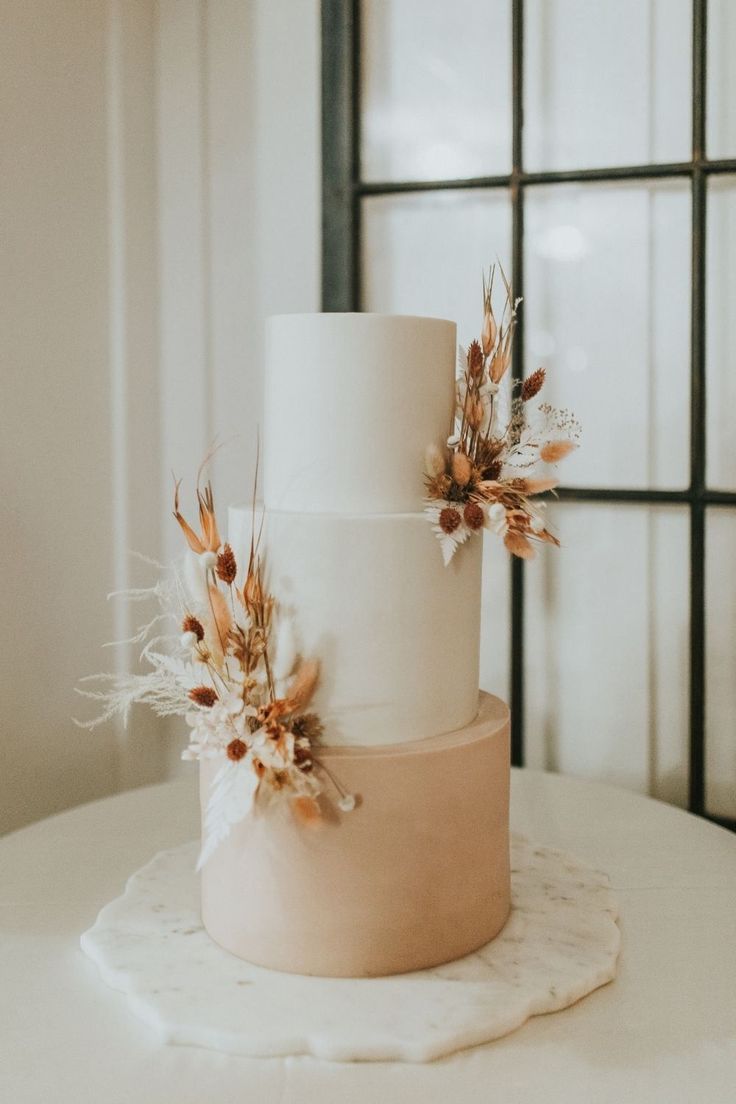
(560, 943)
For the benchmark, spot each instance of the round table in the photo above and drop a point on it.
(664, 1030)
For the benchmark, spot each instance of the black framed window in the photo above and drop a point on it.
(486, 178)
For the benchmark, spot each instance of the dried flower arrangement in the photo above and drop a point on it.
(487, 473)
(232, 670)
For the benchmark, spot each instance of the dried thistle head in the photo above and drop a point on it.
(449, 519)
(532, 385)
(475, 359)
(192, 624)
(236, 750)
(203, 695)
(226, 567)
(473, 516)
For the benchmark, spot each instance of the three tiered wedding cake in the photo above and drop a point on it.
(418, 872)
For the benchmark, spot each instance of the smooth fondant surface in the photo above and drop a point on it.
(415, 875)
(351, 403)
(560, 943)
(396, 632)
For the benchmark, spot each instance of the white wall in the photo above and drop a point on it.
(78, 340)
(160, 195)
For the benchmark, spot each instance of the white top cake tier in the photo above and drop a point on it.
(351, 403)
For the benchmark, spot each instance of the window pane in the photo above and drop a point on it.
(607, 310)
(720, 745)
(607, 648)
(436, 89)
(424, 253)
(721, 115)
(721, 332)
(607, 83)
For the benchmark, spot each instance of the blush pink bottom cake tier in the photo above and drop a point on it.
(416, 875)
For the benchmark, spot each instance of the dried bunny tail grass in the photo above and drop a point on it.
(434, 461)
(303, 685)
(518, 545)
(554, 451)
(461, 468)
(532, 385)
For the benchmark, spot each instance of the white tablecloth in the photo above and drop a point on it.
(665, 1030)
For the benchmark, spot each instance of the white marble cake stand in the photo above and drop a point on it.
(560, 943)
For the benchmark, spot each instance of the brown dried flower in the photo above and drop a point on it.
(226, 568)
(193, 625)
(307, 726)
(493, 470)
(475, 359)
(203, 695)
(236, 750)
(449, 519)
(473, 514)
(532, 385)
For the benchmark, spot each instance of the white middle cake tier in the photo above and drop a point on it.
(397, 633)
